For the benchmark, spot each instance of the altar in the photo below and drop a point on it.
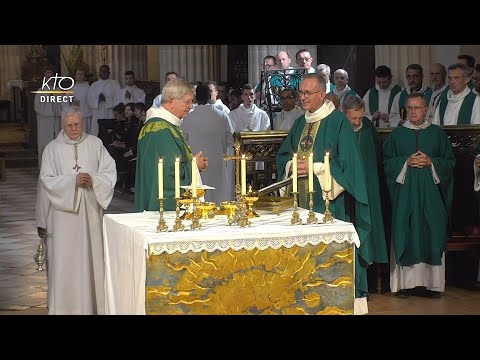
(270, 267)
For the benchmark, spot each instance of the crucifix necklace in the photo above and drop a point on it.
(76, 167)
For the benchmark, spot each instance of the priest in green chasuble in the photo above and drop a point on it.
(419, 162)
(323, 128)
(162, 137)
(354, 110)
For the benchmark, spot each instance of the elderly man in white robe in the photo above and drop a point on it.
(77, 178)
(208, 129)
(438, 77)
(48, 115)
(341, 89)
(460, 106)
(130, 93)
(80, 96)
(101, 98)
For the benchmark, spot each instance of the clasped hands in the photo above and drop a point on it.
(84, 180)
(302, 167)
(378, 115)
(419, 160)
(202, 161)
(477, 161)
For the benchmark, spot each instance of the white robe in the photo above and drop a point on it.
(453, 109)
(340, 94)
(285, 119)
(48, 123)
(432, 106)
(75, 254)
(209, 130)
(395, 109)
(104, 109)
(249, 119)
(136, 95)
(383, 100)
(221, 106)
(80, 98)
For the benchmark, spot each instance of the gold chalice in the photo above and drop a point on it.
(205, 208)
(250, 198)
(230, 207)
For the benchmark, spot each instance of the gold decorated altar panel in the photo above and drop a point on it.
(270, 267)
(314, 279)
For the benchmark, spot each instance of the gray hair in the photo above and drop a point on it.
(342, 72)
(71, 110)
(325, 67)
(353, 103)
(176, 89)
(465, 69)
(318, 78)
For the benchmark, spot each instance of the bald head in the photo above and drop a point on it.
(283, 59)
(438, 74)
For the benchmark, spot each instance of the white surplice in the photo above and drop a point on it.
(383, 100)
(75, 248)
(209, 130)
(285, 119)
(103, 109)
(136, 95)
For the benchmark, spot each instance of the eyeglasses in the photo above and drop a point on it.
(188, 102)
(415, 108)
(287, 97)
(306, 93)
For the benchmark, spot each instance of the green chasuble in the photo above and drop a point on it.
(367, 140)
(420, 208)
(160, 139)
(336, 135)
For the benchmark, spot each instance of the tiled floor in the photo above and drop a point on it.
(23, 288)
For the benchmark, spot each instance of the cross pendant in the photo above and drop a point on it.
(76, 167)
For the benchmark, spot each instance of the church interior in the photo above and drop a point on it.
(23, 288)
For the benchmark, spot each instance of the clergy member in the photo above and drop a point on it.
(101, 98)
(375, 249)
(130, 93)
(80, 98)
(290, 111)
(379, 99)
(209, 129)
(77, 177)
(322, 129)
(162, 137)
(419, 162)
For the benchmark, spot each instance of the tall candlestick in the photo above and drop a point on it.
(160, 178)
(328, 177)
(194, 177)
(177, 178)
(294, 173)
(310, 172)
(244, 174)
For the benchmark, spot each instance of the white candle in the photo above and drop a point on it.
(244, 175)
(294, 173)
(177, 178)
(310, 172)
(194, 177)
(328, 177)
(160, 178)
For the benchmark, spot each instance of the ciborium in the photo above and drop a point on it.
(205, 208)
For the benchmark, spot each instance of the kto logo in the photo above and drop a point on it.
(64, 83)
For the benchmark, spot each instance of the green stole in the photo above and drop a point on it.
(465, 113)
(373, 98)
(305, 147)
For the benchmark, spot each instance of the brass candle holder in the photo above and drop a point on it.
(312, 219)
(178, 225)
(327, 216)
(162, 225)
(295, 216)
(243, 217)
(195, 220)
(250, 198)
(231, 209)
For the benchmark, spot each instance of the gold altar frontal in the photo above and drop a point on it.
(314, 279)
(269, 267)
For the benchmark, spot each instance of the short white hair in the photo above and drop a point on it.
(325, 67)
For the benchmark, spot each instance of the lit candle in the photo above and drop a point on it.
(328, 177)
(177, 178)
(310, 172)
(194, 177)
(244, 175)
(294, 173)
(160, 178)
